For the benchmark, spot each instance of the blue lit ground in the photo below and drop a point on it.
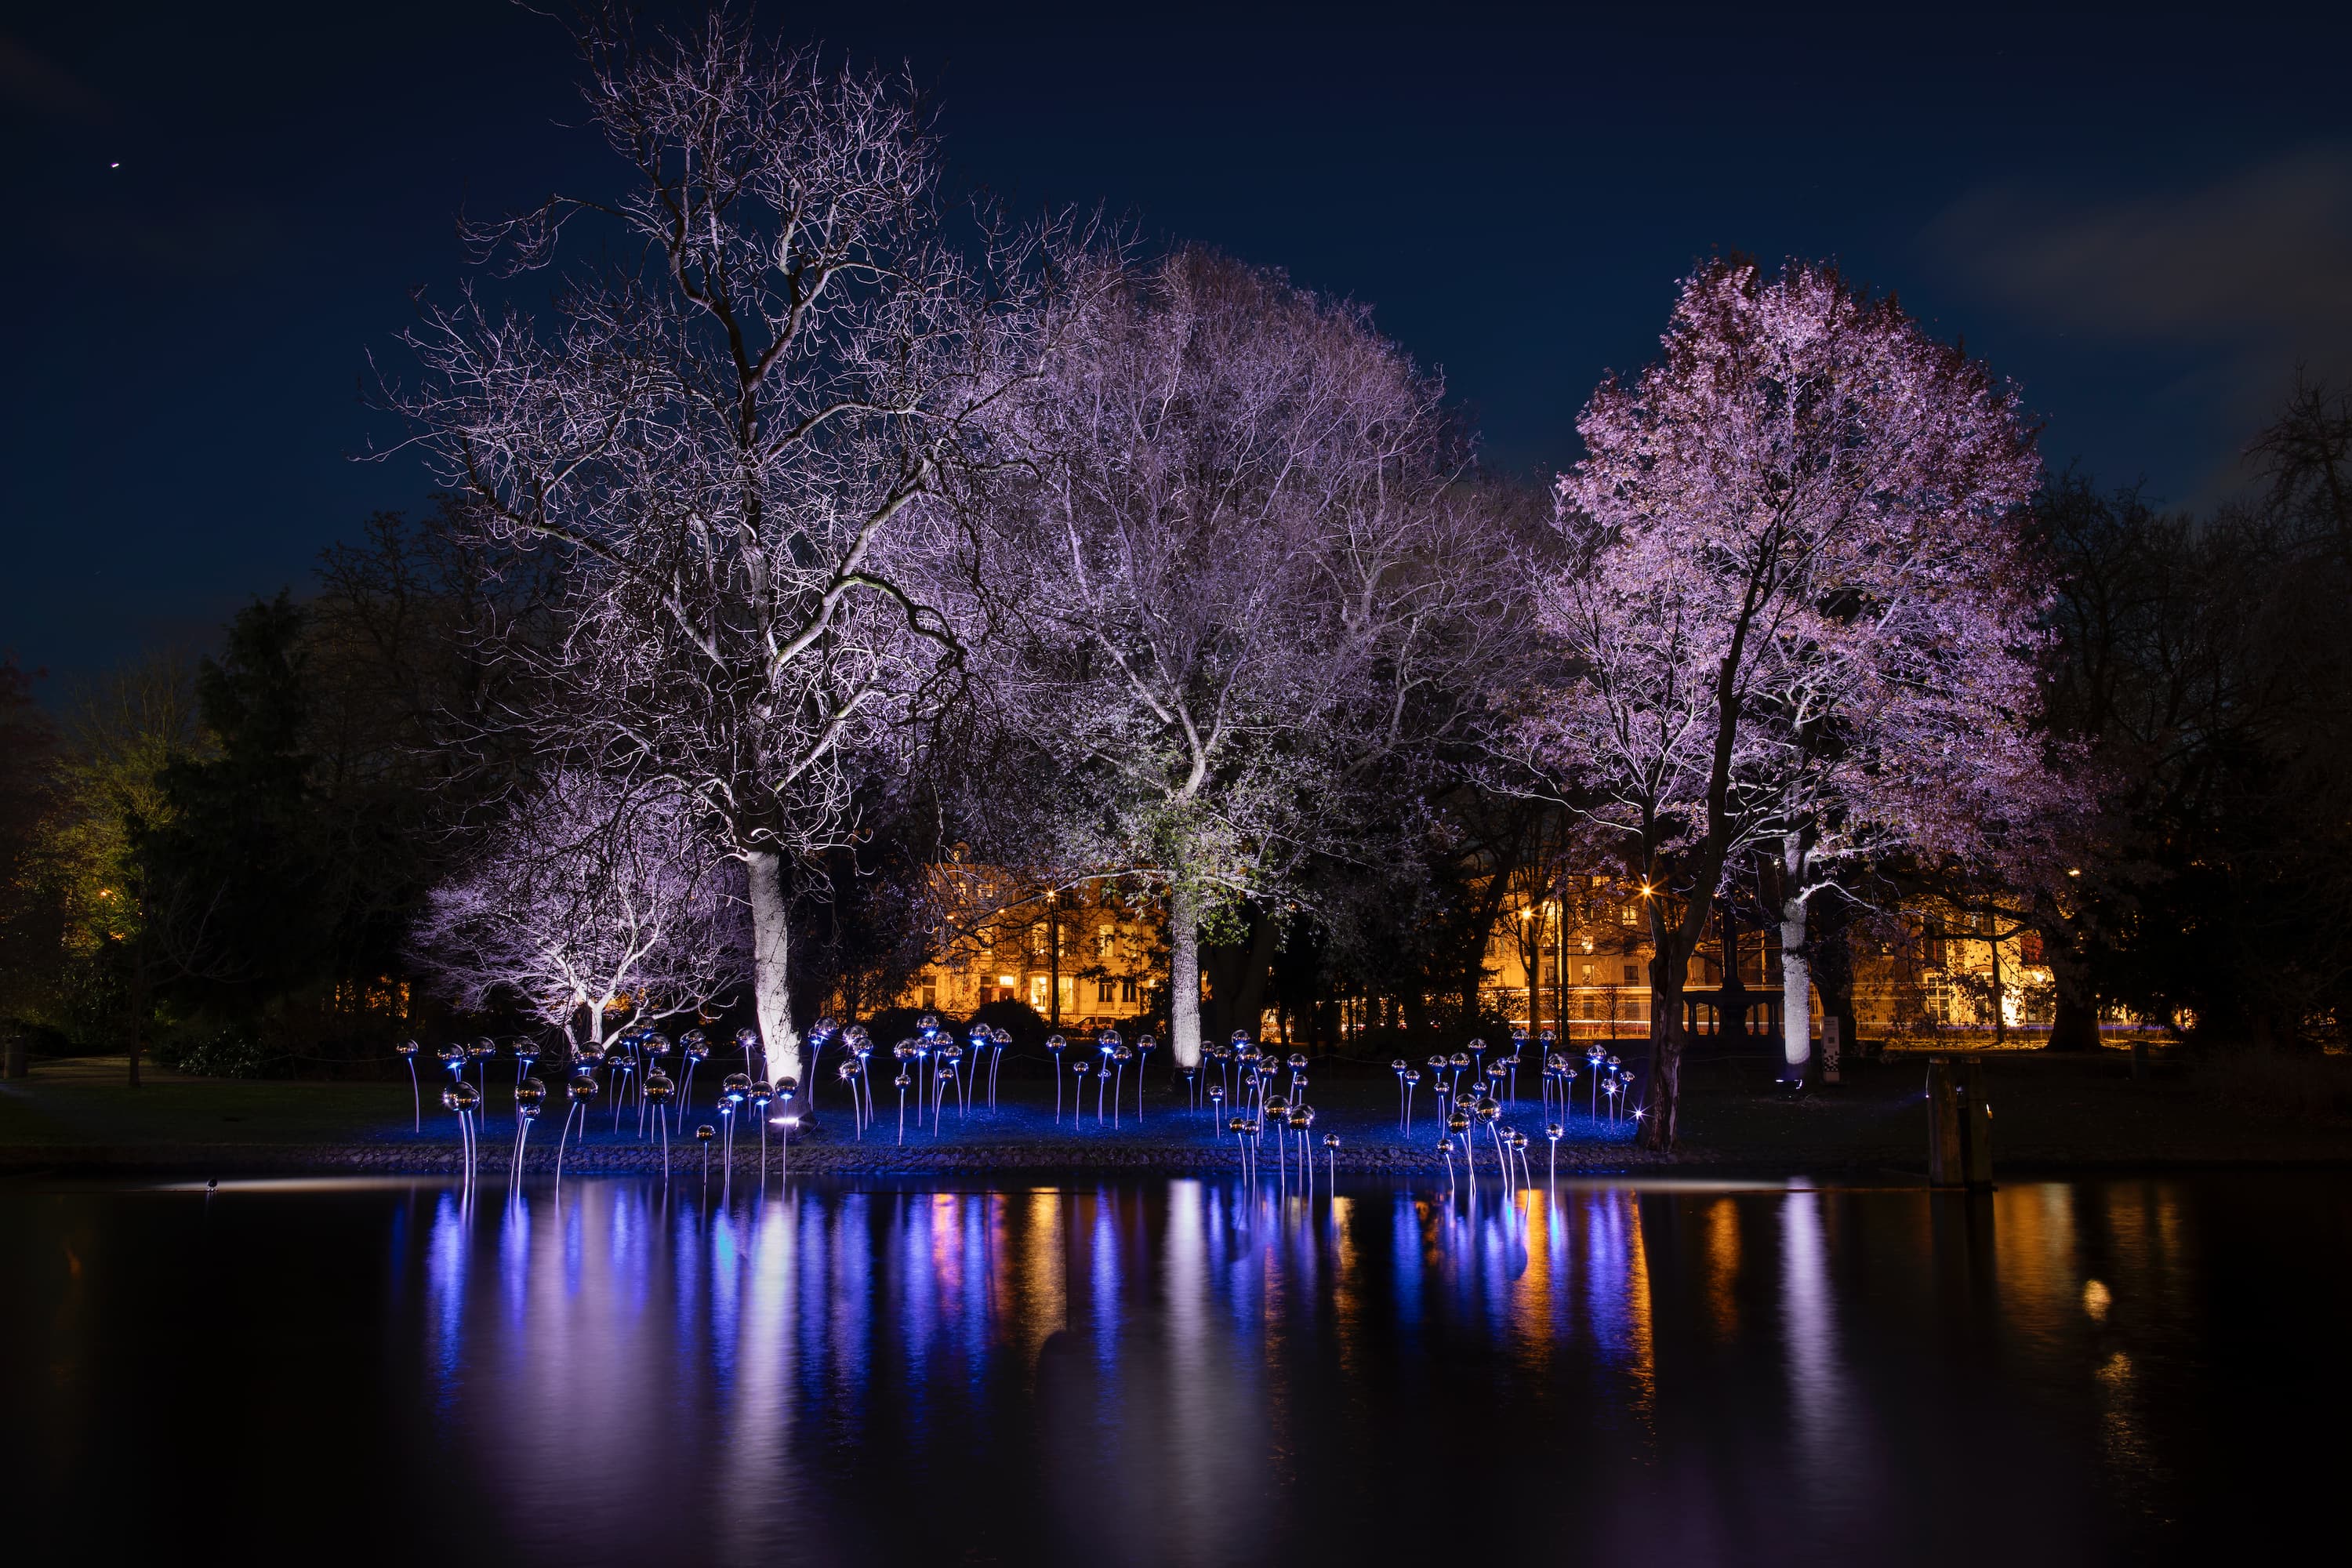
(1023, 1132)
(2051, 1114)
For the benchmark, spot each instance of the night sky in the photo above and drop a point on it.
(2145, 219)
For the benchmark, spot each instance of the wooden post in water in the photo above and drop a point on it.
(1947, 1157)
(1976, 1125)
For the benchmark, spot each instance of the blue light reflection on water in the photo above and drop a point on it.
(1186, 1371)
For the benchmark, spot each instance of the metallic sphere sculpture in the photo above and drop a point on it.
(658, 1087)
(461, 1097)
(582, 1089)
(529, 1094)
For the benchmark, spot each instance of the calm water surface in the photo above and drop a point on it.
(1174, 1372)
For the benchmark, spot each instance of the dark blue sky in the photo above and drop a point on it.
(2145, 218)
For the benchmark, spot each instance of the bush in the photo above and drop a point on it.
(220, 1053)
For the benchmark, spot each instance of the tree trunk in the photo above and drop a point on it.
(1796, 966)
(1831, 958)
(142, 1003)
(1184, 974)
(2074, 1022)
(772, 997)
(1665, 1088)
(1248, 1007)
(1731, 1011)
(1999, 1012)
(1796, 993)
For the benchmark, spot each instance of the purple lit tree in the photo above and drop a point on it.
(583, 901)
(1795, 617)
(1233, 572)
(758, 387)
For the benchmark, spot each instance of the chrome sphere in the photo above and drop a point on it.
(1236, 1124)
(531, 1092)
(483, 1049)
(658, 1088)
(705, 1133)
(906, 1050)
(526, 1051)
(461, 1096)
(406, 1047)
(747, 1039)
(1475, 1046)
(1146, 1043)
(582, 1089)
(1458, 1122)
(951, 1051)
(1122, 1053)
(1412, 1075)
(902, 1080)
(1081, 1064)
(1241, 1038)
(1397, 1065)
(928, 1021)
(1330, 1139)
(762, 1091)
(1486, 1109)
(1458, 1060)
(451, 1055)
(1297, 1059)
(1437, 1064)
(1302, 1117)
(655, 1043)
(1297, 1083)
(858, 1039)
(1277, 1107)
(1554, 1131)
(825, 1028)
(788, 1086)
(1056, 1043)
(1000, 1037)
(735, 1086)
(695, 1043)
(846, 1069)
(1216, 1092)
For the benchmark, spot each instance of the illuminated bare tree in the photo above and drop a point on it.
(740, 425)
(583, 902)
(1235, 573)
(1794, 611)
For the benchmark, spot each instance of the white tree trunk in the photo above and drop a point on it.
(771, 969)
(1796, 967)
(1184, 975)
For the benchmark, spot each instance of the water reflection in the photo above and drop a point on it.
(1194, 1372)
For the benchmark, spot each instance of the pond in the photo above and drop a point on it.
(1182, 1372)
